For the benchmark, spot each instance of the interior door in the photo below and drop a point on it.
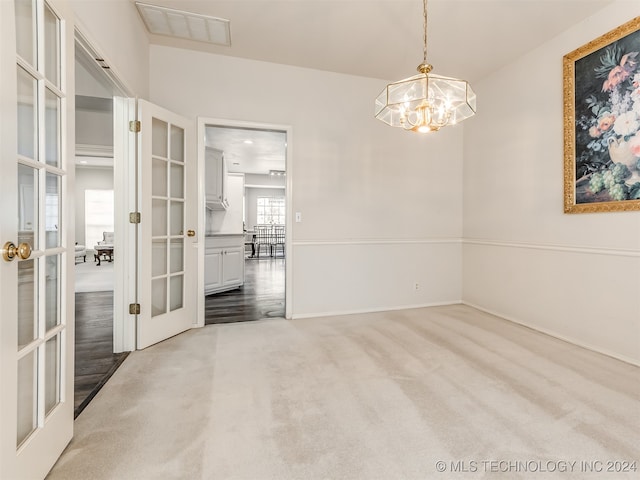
(36, 314)
(168, 241)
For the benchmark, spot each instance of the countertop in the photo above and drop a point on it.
(211, 235)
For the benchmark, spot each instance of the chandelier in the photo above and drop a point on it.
(425, 102)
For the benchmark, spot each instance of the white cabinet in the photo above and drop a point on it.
(223, 263)
(233, 266)
(212, 270)
(215, 182)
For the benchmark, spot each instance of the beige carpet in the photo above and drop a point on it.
(376, 396)
(93, 278)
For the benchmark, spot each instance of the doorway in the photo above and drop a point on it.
(95, 265)
(254, 158)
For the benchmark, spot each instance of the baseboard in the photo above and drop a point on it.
(338, 313)
(553, 334)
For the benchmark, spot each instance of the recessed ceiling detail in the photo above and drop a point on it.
(191, 26)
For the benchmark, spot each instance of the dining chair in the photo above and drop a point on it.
(263, 238)
(278, 239)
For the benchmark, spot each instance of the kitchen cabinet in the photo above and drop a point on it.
(215, 167)
(223, 263)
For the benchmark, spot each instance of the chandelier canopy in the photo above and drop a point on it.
(425, 102)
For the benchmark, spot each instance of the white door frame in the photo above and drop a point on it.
(124, 186)
(219, 122)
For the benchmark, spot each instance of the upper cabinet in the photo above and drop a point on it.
(215, 179)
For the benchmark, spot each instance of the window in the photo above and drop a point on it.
(98, 215)
(271, 210)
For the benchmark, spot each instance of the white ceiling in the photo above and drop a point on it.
(374, 38)
(248, 150)
(383, 38)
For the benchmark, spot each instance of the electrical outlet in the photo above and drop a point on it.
(416, 286)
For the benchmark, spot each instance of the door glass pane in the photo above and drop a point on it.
(177, 252)
(25, 30)
(158, 258)
(177, 218)
(177, 143)
(27, 288)
(159, 220)
(51, 374)
(28, 202)
(158, 296)
(52, 211)
(159, 178)
(52, 291)
(51, 47)
(27, 131)
(51, 128)
(27, 395)
(177, 180)
(176, 292)
(159, 139)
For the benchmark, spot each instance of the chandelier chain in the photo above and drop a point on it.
(424, 38)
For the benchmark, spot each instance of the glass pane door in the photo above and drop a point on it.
(40, 178)
(166, 249)
(36, 420)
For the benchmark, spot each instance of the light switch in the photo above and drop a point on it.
(298, 217)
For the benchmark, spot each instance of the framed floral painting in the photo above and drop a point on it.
(602, 123)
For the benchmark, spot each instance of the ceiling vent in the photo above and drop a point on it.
(187, 25)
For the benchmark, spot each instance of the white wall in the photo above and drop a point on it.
(94, 121)
(89, 179)
(251, 202)
(116, 31)
(574, 276)
(381, 208)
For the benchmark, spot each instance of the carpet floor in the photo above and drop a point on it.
(445, 392)
(93, 278)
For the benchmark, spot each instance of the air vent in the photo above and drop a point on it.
(187, 25)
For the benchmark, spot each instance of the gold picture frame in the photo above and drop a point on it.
(601, 83)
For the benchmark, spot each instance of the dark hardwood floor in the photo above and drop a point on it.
(95, 360)
(262, 295)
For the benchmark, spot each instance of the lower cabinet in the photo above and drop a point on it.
(223, 263)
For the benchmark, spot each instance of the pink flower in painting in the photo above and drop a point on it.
(634, 144)
(605, 121)
(620, 73)
(617, 75)
(594, 132)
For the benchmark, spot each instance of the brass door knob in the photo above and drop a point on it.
(10, 251)
(191, 233)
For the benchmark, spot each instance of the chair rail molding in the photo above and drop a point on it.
(378, 241)
(579, 249)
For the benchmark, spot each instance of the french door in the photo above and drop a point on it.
(36, 324)
(168, 241)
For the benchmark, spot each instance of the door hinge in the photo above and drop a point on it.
(134, 217)
(134, 309)
(134, 126)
